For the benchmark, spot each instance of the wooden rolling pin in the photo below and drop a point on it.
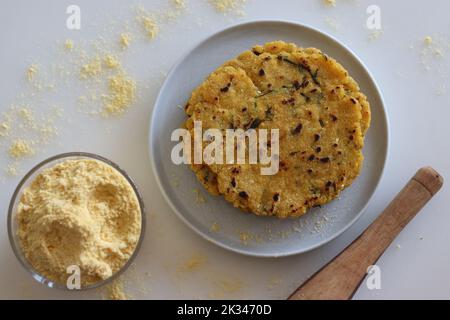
(341, 277)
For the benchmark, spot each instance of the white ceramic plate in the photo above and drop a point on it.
(242, 232)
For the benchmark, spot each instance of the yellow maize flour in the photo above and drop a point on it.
(79, 212)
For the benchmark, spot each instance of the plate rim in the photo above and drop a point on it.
(151, 145)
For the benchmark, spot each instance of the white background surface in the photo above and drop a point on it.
(415, 266)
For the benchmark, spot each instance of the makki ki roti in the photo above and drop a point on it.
(321, 114)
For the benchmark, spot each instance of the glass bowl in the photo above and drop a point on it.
(12, 223)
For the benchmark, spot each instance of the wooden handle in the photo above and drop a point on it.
(340, 278)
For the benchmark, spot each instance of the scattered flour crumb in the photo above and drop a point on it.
(195, 262)
(4, 129)
(26, 114)
(245, 237)
(111, 61)
(91, 69)
(150, 27)
(130, 280)
(227, 6)
(330, 3)
(115, 291)
(320, 225)
(20, 148)
(121, 94)
(125, 40)
(32, 71)
(398, 246)
(375, 34)
(68, 44)
(432, 50)
(180, 4)
(199, 198)
(215, 227)
(148, 22)
(439, 53)
(24, 132)
(12, 170)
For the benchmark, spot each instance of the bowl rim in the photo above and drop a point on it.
(384, 117)
(16, 246)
